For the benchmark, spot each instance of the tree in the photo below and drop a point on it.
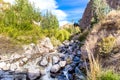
(21, 14)
(49, 21)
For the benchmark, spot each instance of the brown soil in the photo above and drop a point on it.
(7, 46)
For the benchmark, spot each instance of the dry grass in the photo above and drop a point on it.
(109, 26)
(94, 69)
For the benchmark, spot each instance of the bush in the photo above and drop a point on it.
(49, 21)
(101, 9)
(106, 45)
(109, 75)
(55, 42)
(18, 23)
(62, 35)
(83, 35)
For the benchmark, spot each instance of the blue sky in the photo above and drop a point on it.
(65, 10)
(73, 8)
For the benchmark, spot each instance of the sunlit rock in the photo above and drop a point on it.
(55, 68)
(62, 63)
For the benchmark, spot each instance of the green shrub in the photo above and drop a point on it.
(49, 21)
(106, 45)
(62, 35)
(83, 35)
(100, 10)
(109, 75)
(73, 30)
(55, 42)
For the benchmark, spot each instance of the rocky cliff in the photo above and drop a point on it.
(88, 14)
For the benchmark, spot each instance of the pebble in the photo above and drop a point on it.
(55, 59)
(76, 59)
(33, 73)
(55, 68)
(44, 62)
(62, 63)
(25, 60)
(13, 67)
(2, 65)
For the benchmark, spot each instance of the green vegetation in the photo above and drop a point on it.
(49, 21)
(106, 45)
(23, 23)
(109, 75)
(83, 35)
(101, 9)
(73, 30)
(62, 35)
(55, 41)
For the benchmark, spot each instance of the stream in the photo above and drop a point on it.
(43, 62)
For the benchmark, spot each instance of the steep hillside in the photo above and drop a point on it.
(104, 41)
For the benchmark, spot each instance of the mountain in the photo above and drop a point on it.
(88, 13)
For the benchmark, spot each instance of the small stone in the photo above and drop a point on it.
(2, 65)
(13, 67)
(62, 63)
(78, 52)
(76, 59)
(33, 73)
(55, 68)
(25, 60)
(44, 62)
(20, 63)
(15, 56)
(7, 67)
(32, 45)
(55, 59)
(42, 71)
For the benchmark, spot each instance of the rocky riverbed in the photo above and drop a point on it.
(44, 62)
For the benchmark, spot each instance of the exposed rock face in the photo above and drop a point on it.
(88, 14)
(109, 27)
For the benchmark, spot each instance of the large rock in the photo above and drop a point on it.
(88, 14)
(47, 43)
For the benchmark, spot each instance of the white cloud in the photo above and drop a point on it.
(50, 5)
(60, 14)
(63, 22)
(44, 5)
(10, 1)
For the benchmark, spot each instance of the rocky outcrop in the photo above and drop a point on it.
(88, 13)
(104, 41)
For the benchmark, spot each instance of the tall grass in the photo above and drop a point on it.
(95, 71)
(94, 68)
